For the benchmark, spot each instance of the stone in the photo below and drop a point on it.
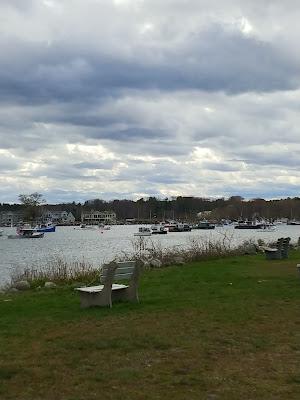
(22, 285)
(155, 263)
(50, 285)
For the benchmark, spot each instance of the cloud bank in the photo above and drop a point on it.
(130, 98)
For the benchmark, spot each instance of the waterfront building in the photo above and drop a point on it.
(8, 218)
(58, 217)
(95, 217)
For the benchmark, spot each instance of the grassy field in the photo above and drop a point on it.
(221, 329)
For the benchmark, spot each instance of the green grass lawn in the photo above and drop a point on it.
(221, 329)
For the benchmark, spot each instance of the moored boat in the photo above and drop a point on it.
(26, 232)
(253, 225)
(179, 227)
(86, 227)
(103, 228)
(248, 225)
(268, 228)
(204, 225)
(293, 222)
(159, 230)
(143, 231)
(48, 227)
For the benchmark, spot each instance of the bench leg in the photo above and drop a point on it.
(126, 294)
(273, 255)
(132, 294)
(94, 299)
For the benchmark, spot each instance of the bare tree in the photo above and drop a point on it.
(31, 202)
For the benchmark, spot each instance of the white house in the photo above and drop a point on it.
(10, 217)
(95, 217)
(69, 219)
(61, 217)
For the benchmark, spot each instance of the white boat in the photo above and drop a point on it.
(268, 228)
(86, 227)
(159, 230)
(143, 231)
(170, 225)
(204, 225)
(180, 227)
(104, 227)
(293, 222)
(26, 232)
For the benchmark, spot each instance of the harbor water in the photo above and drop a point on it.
(97, 246)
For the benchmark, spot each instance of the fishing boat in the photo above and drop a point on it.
(104, 227)
(48, 227)
(248, 225)
(159, 230)
(268, 228)
(26, 232)
(143, 231)
(179, 227)
(86, 227)
(170, 225)
(293, 222)
(204, 225)
(263, 225)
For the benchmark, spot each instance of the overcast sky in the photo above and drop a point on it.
(131, 98)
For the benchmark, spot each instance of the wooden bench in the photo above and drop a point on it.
(109, 292)
(280, 251)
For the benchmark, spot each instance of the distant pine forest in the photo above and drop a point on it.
(180, 208)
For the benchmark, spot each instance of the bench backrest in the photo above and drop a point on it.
(279, 243)
(285, 247)
(123, 271)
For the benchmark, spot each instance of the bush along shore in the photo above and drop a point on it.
(58, 272)
(221, 328)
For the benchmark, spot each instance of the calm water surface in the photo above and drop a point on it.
(95, 247)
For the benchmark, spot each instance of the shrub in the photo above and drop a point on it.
(58, 270)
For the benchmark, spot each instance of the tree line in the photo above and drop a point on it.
(179, 208)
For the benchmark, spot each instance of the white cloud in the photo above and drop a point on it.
(168, 97)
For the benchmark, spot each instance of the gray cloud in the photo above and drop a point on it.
(21, 5)
(93, 165)
(212, 60)
(152, 97)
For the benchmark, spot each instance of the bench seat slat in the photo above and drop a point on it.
(117, 277)
(270, 249)
(125, 264)
(119, 270)
(99, 288)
